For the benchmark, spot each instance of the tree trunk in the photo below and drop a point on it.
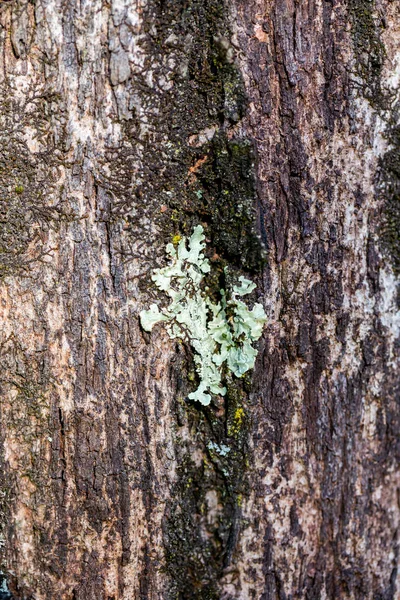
(274, 124)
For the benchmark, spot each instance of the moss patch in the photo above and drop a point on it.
(202, 524)
(368, 49)
(221, 195)
(193, 167)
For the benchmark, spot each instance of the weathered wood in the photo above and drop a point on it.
(274, 123)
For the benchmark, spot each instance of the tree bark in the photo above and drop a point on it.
(275, 124)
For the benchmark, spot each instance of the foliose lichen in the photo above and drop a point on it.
(220, 332)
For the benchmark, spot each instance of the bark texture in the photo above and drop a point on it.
(275, 124)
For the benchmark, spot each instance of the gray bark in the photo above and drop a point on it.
(274, 123)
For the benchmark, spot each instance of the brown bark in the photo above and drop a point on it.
(274, 123)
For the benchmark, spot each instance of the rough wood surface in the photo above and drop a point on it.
(275, 124)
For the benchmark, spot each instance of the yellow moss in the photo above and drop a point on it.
(236, 426)
(176, 239)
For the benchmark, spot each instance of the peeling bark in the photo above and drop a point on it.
(274, 124)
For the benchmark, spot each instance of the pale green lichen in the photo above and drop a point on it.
(220, 332)
(220, 449)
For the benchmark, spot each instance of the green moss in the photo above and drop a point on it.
(226, 204)
(200, 538)
(192, 558)
(199, 546)
(369, 49)
(188, 176)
